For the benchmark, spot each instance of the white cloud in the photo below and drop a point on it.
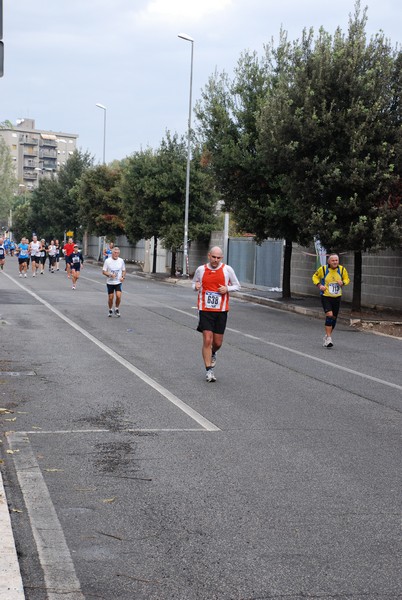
(194, 10)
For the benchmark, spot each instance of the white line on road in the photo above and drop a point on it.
(293, 351)
(193, 414)
(11, 587)
(279, 346)
(303, 354)
(128, 430)
(55, 558)
(320, 360)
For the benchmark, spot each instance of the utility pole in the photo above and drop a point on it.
(1, 43)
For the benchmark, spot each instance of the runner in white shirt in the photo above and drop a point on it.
(114, 269)
(35, 248)
(52, 252)
(2, 253)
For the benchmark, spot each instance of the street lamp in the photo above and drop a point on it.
(186, 37)
(104, 130)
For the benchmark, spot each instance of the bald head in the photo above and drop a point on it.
(216, 250)
(215, 256)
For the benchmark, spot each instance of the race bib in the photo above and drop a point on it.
(213, 300)
(333, 289)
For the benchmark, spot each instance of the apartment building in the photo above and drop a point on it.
(37, 153)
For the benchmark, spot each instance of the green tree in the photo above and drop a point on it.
(337, 136)
(22, 217)
(44, 216)
(154, 195)
(98, 196)
(8, 182)
(53, 203)
(250, 186)
(307, 142)
(228, 131)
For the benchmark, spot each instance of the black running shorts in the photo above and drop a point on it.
(113, 287)
(212, 321)
(331, 304)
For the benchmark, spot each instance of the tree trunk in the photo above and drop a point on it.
(155, 254)
(85, 243)
(287, 257)
(173, 265)
(357, 282)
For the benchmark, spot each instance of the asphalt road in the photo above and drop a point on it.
(129, 477)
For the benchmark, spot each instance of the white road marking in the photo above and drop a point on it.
(320, 360)
(193, 414)
(128, 430)
(274, 345)
(297, 352)
(17, 373)
(55, 558)
(11, 587)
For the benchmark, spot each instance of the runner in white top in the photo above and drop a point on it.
(2, 253)
(52, 252)
(35, 248)
(114, 269)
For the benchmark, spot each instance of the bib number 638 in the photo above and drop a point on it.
(213, 300)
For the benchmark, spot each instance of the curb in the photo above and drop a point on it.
(11, 587)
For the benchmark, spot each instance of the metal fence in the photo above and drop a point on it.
(259, 265)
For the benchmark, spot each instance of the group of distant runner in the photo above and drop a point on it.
(37, 252)
(9, 246)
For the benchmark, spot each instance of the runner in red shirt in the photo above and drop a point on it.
(68, 249)
(213, 282)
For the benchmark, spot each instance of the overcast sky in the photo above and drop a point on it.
(64, 56)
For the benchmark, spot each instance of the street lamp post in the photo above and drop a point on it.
(101, 106)
(186, 37)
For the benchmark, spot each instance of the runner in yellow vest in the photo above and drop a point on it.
(330, 280)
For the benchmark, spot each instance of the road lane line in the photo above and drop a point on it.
(286, 348)
(320, 360)
(55, 558)
(298, 353)
(11, 587)
(193, 414)
(128, 430)
(291, 350)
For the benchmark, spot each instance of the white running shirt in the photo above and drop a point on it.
(35, 248)
(114, 265)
